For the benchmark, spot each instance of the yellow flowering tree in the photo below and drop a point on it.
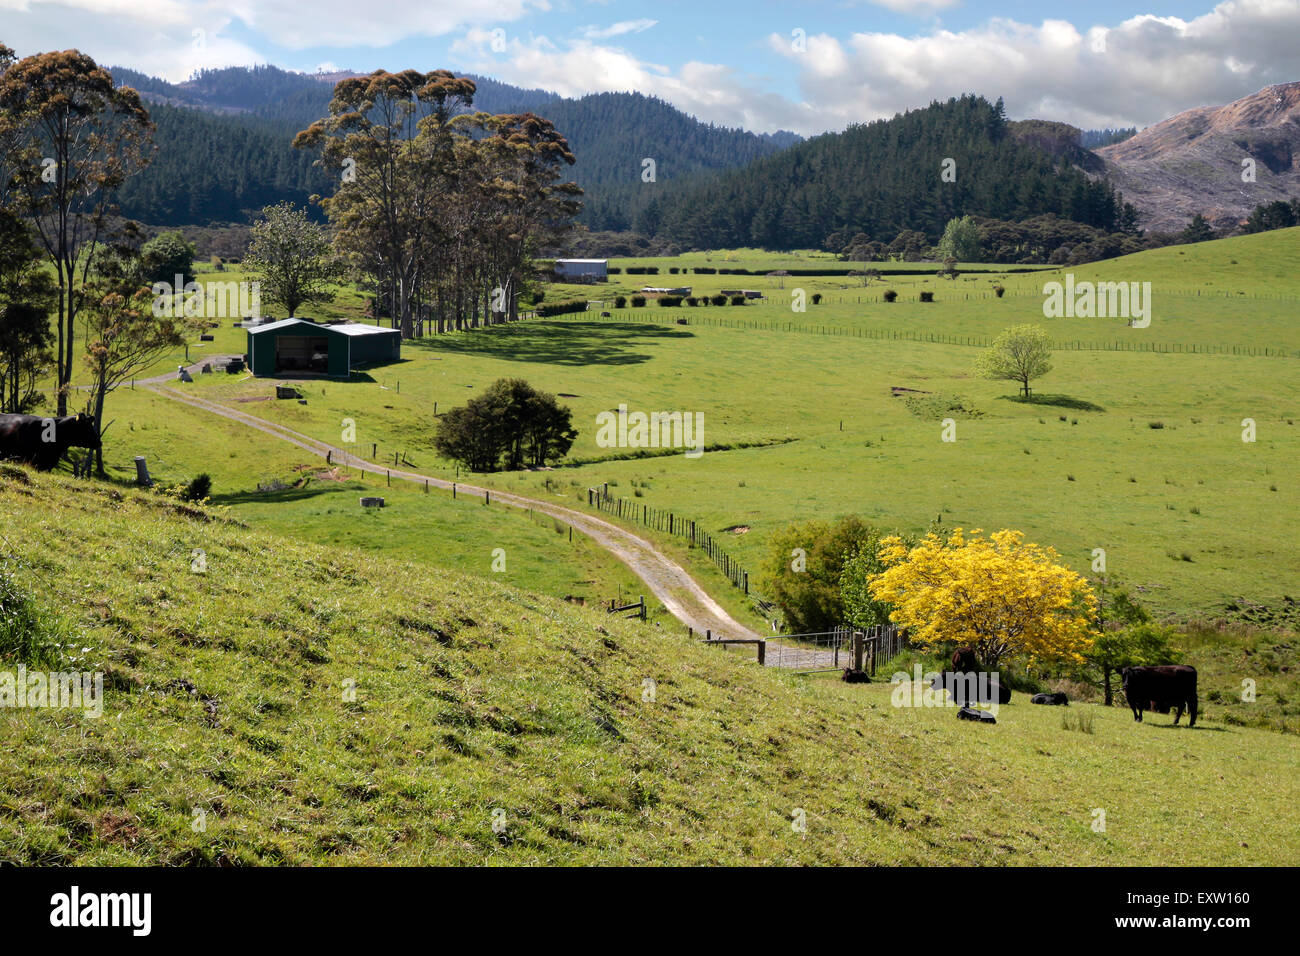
(998, 594)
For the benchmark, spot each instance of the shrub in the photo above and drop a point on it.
(705, 271)
(562, 308)
(1156, 424)
(669, 301)
(620, 302)
(817, 298)
(636, 270)
(999, 291)
(691, 300)
(812, 595)
(719, 300)
(673, 270)
(638, 301)
(927, 296)
(613, 271)
(890, 295)
(737, 300)
(198, 488)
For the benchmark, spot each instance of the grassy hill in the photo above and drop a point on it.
(229, 734)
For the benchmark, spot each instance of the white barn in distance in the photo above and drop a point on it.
(582, 270)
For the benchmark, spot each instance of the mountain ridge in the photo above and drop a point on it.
(1192, 162)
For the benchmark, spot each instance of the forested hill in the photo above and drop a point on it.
(224, 144)
(883, 178)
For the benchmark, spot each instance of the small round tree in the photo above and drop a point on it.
(1020, 354)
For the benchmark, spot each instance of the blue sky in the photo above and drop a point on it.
(764, 65)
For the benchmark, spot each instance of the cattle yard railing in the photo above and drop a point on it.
(810, 653)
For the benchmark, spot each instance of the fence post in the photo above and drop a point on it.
(857, 650)
(762, 653)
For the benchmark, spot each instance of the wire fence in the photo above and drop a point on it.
(660, 519)
(936, 338)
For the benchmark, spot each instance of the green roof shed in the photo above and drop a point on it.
(301, 347)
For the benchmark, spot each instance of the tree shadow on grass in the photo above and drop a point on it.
(312, 489)
(556, 343)
(1059, 401)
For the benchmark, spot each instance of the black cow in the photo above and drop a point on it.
(1163, 686)
(970, 713)
(852, 676)
(966, 688)
(964, 660)
(42, 441)
(1057, 699)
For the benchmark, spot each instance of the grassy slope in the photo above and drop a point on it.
(473, 696)
(179, 442)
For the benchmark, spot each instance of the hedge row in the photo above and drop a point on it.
(561, 308)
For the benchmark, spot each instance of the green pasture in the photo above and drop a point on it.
(302, 703)
(265, 482)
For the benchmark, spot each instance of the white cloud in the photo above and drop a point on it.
(156, 36)
(1134, 73)
(618, 29)
(915, 6)
(710, 91)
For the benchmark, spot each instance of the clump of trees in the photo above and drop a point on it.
(511, 425)
(440, 209)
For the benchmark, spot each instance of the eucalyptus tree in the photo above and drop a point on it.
(72, 136)
(388, 182)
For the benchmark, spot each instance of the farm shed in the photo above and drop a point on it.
(582, 270)
(301, 347)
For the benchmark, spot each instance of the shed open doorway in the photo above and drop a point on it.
(302, 353)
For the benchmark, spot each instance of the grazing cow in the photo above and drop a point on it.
(42, 441)
(970, 713)
(855, 677)
(964, 660)
(967, 687)
(1163, 686)
(1057, 699)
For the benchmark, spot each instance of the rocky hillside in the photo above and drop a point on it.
(1192, 162)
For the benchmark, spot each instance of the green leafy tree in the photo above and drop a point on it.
(1198, 230)
(961, 241)
(123, 336)
(510, 426)
(860, 608)
(805, 566)
(26, 298)
(291, 258)
(1021, 354)
(166, 256)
